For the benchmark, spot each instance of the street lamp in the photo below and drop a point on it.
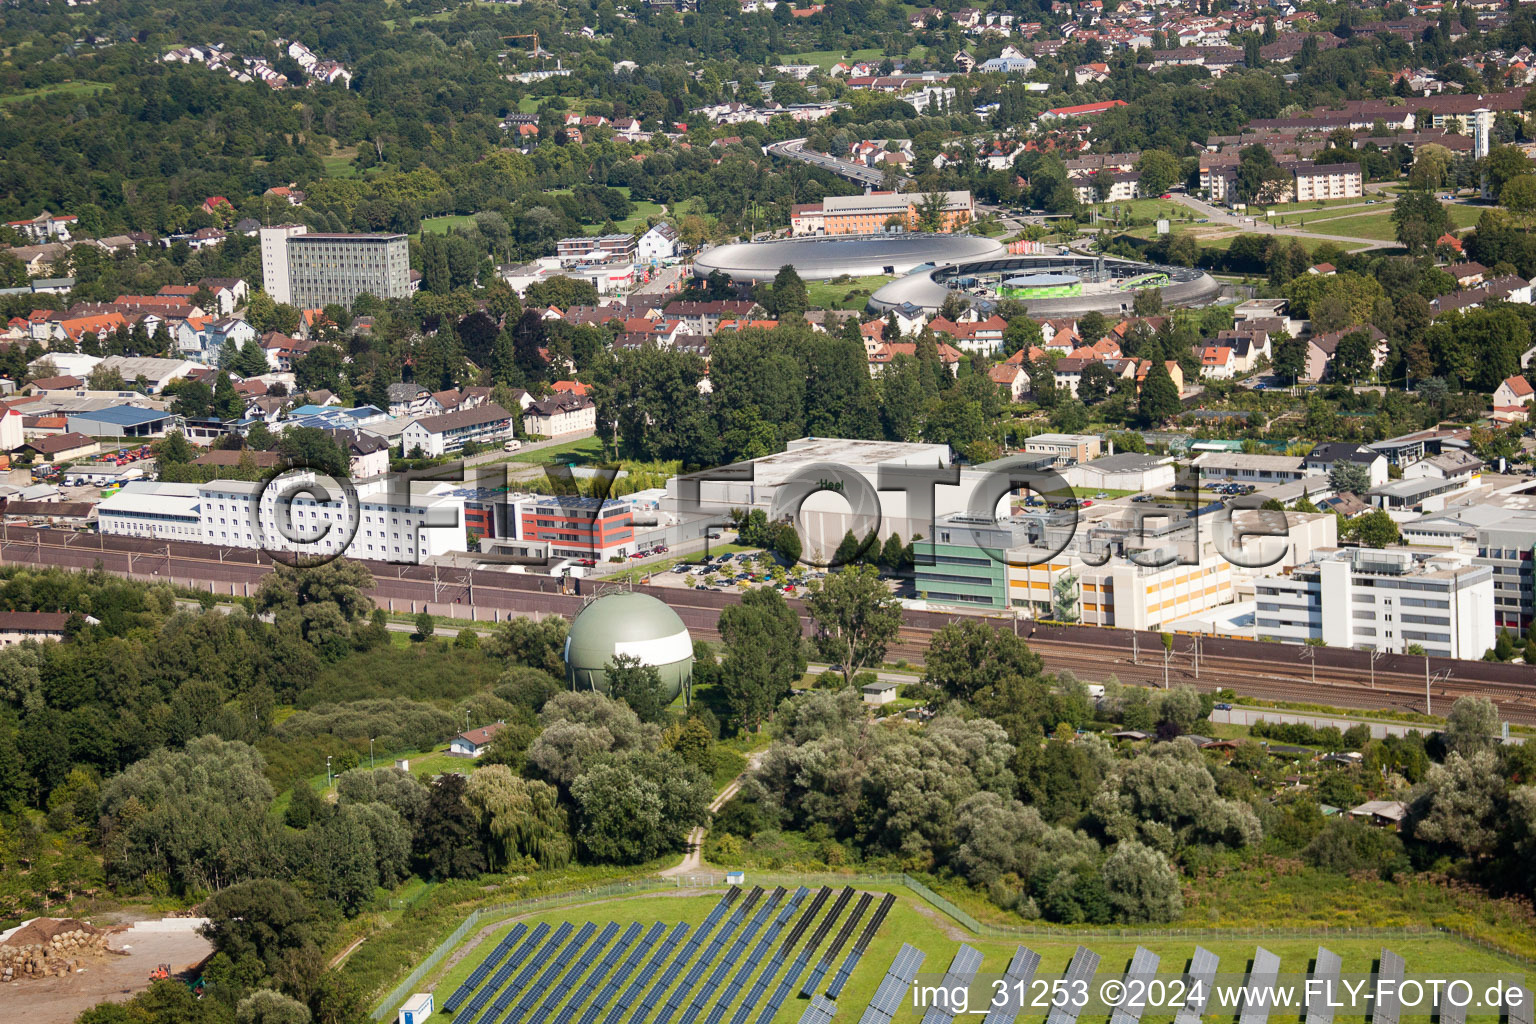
(327, 771)
(370, 753)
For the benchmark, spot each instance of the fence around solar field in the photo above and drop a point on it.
(707, 880)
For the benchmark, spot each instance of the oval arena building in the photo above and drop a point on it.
(1053, 284)
(822, 258)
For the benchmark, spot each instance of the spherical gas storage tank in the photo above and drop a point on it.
(638, 625)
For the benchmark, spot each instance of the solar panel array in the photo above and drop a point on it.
(759, 951)
(629, 995)
(1134, 997)
(530, 967)
(819, 1012)
(838, 942)
(1327, 971)
(733, 956)
(707, 957)
(1261, 978)
(859, 948)
(1389, 998)
(489, 964)
(760, 987)
(1198, 979)
(1078, 979)
(691, 949)
(792, 975)
(615, 958)
(547, 977)
(561, 993)
(892, 990)
(485, 992)
(1016, 979)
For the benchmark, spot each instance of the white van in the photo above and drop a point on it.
(512, 445)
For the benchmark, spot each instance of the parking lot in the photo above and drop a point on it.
(735, 573)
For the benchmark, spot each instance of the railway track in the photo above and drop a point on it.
(1268, 671)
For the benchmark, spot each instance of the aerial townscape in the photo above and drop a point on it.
(768, 512)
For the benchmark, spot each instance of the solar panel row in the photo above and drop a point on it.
(892, 990)
(552, 970)
(857, 953)
(1017, 977)
(1078, 979)
(819, 1012)
(705, 959)
(489, 964)
(957, 980)
(1198, 981)
(1326, 973)
(1140, 974)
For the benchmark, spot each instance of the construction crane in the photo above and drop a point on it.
(529, 35)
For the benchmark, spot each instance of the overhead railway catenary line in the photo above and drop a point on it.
(1343, 678)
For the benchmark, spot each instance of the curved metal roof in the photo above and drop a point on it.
(818, 258)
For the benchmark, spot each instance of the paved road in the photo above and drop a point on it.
(794, 149)
(497, 455)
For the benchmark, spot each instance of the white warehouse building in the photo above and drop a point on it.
(1381, 600)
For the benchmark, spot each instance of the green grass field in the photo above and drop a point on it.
(939, 936)
(57, 89)
(586, 448)
(1378, 224)
(824, 59)
(852, 293)
(443, 225)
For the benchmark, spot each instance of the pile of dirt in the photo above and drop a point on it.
(49, 947)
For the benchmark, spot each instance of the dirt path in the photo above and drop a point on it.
(693, 860)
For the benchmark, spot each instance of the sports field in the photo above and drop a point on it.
(939, 936)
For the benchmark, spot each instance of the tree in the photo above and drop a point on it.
(425, 628)
(265, 1006)
(967, 660)
(445, 841)
(1458, 804)
(930, 211)
(1420, 219)
(763, 656)
(1141, 884)
(856, 617)
(1472, 726)
(1097, 383)
(251, 360)
(1354, 357)
(538, 644)
(270, 921)
(227, 402)
(105, 378)
(520, 819)
(313, 448)
(1159, 170)
(639, 686)
(1350, 476)
(635, 806)
(1159, 401)
(1290, 357)
(174, 450)
(1375, 529)
(788, 297)
(1518, 196)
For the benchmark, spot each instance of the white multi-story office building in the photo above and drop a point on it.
(386, 525)
(1382, 600)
